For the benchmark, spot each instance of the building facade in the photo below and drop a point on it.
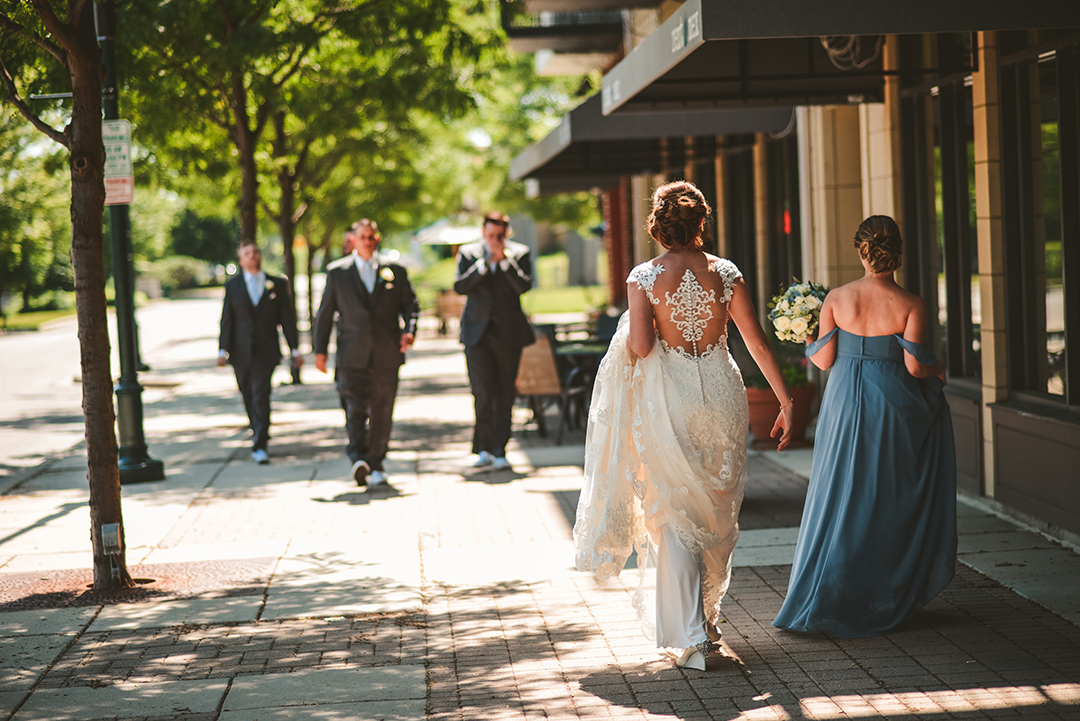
(963, 124)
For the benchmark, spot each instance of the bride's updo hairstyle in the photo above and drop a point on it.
(879, 243)
(677, 211)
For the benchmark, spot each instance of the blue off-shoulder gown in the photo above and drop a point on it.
(878, 535)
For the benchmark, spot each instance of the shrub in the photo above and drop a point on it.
(179, 272)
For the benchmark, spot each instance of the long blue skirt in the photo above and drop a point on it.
(878, 535)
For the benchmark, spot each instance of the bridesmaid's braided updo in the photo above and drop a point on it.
(677, 211)
(879, 243)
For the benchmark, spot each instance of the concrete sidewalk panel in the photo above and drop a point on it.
(1045, 576)
(60, 478)
(28, 562)
(45, 621)
(1003, 541)
(766, 547)
(349, 598)
(332, 560)
(159, 614)
(767, 538)
(152, 509)
(46, 522)
(9, 700)
(242, 473)
(398, 710)
(327, 686)
(796, 460)
(545, 456)
(475, 565)
(24, 658)
(123, 701)
(195, 552)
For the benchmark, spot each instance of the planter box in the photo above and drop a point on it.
(764, 408)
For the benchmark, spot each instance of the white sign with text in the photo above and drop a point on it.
(119, 175)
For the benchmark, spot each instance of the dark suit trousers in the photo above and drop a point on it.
(368, 396)
(493, 369)
(254, 382)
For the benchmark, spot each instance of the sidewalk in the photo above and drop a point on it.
(286, 592)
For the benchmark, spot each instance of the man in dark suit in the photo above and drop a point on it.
(377, 312)
(256, 305)
(493, 273)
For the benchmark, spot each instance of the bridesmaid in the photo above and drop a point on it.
(878, 535)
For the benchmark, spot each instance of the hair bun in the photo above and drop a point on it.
(677, 211)
(879, 243)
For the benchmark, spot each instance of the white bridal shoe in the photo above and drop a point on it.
(696, 656)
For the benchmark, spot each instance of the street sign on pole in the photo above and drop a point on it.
(136, 465)
(119, 175)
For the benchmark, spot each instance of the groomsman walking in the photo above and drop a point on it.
(377, 312)
(493, 273)
(256, 305)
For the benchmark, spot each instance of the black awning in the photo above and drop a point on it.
(589, 150)
(750, 53)
(563, 6)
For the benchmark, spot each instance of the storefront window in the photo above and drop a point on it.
(1040, 107)
(1054, 372)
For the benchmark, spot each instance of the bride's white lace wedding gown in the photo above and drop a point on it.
(665, 462)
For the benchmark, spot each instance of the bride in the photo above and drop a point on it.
(665, 461)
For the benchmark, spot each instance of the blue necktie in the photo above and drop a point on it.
(253, 289)
(367, 274)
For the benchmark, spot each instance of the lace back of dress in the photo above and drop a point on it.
(691, 321)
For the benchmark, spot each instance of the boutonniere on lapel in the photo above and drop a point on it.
(388, 276)
(270, 288)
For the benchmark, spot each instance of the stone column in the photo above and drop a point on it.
(765, 290)
(879, 130)
(991, 236)
(721, 211)
(836, 202)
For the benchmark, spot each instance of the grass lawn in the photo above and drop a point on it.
(31, 321)
(548, 297)
(575, 299)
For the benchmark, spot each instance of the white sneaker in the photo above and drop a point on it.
(360, 470)
(377, 477)
(483, 460)
(500, 464)
(260, 456)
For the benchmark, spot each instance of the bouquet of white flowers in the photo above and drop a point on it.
(794, 313)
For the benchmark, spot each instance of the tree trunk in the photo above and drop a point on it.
(286, 226)
(88, 263)
(246, 139)
(249, 185)
(310, 287)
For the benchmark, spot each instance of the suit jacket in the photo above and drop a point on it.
(370, 325)
(249, 333)
(494, 296)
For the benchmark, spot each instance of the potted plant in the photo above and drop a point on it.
(764, 407)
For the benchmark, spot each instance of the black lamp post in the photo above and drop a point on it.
(136, 465)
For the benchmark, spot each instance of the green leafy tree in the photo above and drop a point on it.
(327, 85)
(205, 237)
(49, 45)
(35, 227)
